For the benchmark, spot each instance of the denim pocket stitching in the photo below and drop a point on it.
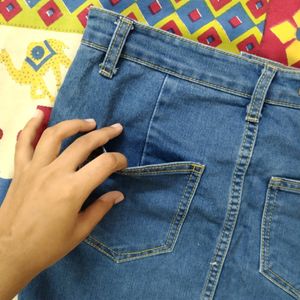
(171, 237)
(286, 188)
(270, 206)
(163, 246)
(285, 184)
(179, 218)
(166, 167)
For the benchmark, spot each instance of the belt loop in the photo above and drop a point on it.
(108, 66)
(255, 106)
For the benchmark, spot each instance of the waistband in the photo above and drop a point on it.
(193, 61)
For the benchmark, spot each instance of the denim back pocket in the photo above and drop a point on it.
(280, 235)
(149, 220)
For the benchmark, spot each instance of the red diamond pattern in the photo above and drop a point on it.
(218, 4)
(132, 16)
(9, 9)
(195, 15)
(49, 12)
(235, 21)
(251, 40)
(257, 7)
(83, 15)
(210, 37)
(172, 27)
(114, 2)
(155, 7)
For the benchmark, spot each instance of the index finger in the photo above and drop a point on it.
(52, 137)
(98, 170)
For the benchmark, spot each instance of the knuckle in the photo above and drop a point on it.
(111, 158)
(51, 133)
(88, 140)
(105, 135)
(122, 161)
(48, 132)
(78, 123)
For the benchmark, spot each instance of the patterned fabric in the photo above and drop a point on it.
(281, 39)
(39, 39)
(229, 24)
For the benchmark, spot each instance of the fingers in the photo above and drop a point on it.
(81, 148)
(24, 146)
(94, 213)
(50, 141)
(98, 170)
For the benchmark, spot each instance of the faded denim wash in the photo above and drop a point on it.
(212, 207)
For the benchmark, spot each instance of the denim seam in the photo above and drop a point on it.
(158, 172)
(197, 44)
(287, 180)
(263, 230)
(117, 260)
(268, 237)
(283, 103)
(177, 216)
(265, 87)
(105, 72)
(276, 64)
(121, 44)
(130, 253)
(162, 69)
(252, 119)
(191, 79)
(283, 282)
(284, 188)
(265, 244)
(252, 104)
(206, 83)
(165, 246)
(166, 165)
(285, 183)
(229, 212)
(110, 48)
(235, 196)
(152, 117)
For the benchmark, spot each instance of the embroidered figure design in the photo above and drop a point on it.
(40, 58)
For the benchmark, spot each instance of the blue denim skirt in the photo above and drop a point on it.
(212, 188)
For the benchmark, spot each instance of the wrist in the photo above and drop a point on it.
(14, 274)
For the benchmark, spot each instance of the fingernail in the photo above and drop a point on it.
(119, 199)
(117, 125)
(90, 120)
(37, 113)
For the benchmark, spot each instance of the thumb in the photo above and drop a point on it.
(94, 213)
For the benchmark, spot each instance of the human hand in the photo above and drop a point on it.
(40, 218)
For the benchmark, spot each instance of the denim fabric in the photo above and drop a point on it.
(212, 188)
